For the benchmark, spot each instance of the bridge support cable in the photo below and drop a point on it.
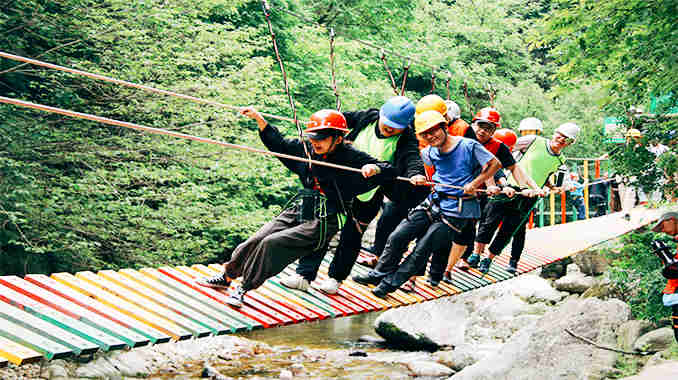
(334, 79)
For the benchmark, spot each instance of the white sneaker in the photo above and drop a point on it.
(329, 286)
(295, 282)
(235, 296)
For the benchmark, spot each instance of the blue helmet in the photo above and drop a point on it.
(397, 112)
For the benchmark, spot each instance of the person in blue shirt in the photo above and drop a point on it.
(577, 194)
(447, 214)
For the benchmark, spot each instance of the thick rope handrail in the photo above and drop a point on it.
(334, 79)
(433, 82)
(132, 84)
(164, 132)
(447, 84)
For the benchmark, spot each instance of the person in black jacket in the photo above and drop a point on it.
(385, 134)
(307, 226)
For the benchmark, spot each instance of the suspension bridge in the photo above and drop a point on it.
(68, 315)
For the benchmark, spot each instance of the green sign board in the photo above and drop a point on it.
(664, 104)
(613, 130)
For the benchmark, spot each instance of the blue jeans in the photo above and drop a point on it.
(581, 208)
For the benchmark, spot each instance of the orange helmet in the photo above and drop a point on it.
(506, 136)
(325, 123)
(489, 115)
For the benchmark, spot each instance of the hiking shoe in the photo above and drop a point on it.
(484, 266)
(366, 279)
(329, 286)
(235, 296)
(433, 283)
(295, 282)
(473, 260)
(381, 291)
(447, 277)
(220, 281)
(512, 267)
(368, 260)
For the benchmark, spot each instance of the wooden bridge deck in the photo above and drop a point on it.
(63, 315)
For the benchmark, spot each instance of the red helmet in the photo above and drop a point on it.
(489, 115)
(325, 123)
(506, 136)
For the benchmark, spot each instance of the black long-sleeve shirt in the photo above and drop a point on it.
(338, 185)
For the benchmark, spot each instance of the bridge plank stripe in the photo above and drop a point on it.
(151, 335)
(192, 305)
(332, 301)
(253, 313)
(347, 292)
(54, 314)
(356, 289)
(227, 315)
(253, 299)
(150, 294)
(87, 288)
(16, 353)
(129, 337)
(47, 347)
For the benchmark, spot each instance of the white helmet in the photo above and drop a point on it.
(531, 124)
(569, 130)
(453, 111)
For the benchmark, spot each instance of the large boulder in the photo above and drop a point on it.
(592, 263)
(575, 281)
(630, 331)
(657, 340)
(546, 351)
(666, 370)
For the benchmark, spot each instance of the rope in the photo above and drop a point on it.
(433, 82)
(334, 80)
(393, 84)
(447, 84)
(468, 102)
(131, 84)
(265, 7)
(407, 69)
(159, 131)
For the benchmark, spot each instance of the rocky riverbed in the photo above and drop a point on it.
(525, 328)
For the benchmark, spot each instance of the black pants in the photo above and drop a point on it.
(351, 236)
(391, 215)
(512, 213)
(434, 239)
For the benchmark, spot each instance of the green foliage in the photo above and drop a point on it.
(636, 275)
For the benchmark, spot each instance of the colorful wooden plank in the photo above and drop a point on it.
(345, 291)
(254, 318)
(17, 353)
(88, 336)
(254, 299)
(247, 309)
(20, 335)
(150, 334)
(194, 305)
(121, 334)
(335, 304)
(131, 310)
(229, 316)
(50, 331)
(194, 315)
(153, 308)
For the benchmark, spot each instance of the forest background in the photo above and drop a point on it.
(79, 195)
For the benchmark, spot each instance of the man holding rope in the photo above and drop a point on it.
(539, 158)
(306, 227)
(385, 134)
(668, 224)
(446, 215)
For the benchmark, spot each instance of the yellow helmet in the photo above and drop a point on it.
(431, 102)
(633, 133)
(427, 120)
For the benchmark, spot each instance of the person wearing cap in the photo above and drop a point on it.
(577, 193)
(445, 216)
(539, 158)
(386, 135)
(307, 226)
(668, 224)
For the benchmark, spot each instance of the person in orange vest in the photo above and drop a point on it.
(668, 224)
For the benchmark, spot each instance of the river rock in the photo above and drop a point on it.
(466, 354)
(657, 340)
(532, 289)
(428, 368)
(666, 370)
(286, 375)
(575, 281)
(591, 263)
(546, 351)
(630, 331)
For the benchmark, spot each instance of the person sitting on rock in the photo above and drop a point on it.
(445, 216)
(307, 226)
(387, 135)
